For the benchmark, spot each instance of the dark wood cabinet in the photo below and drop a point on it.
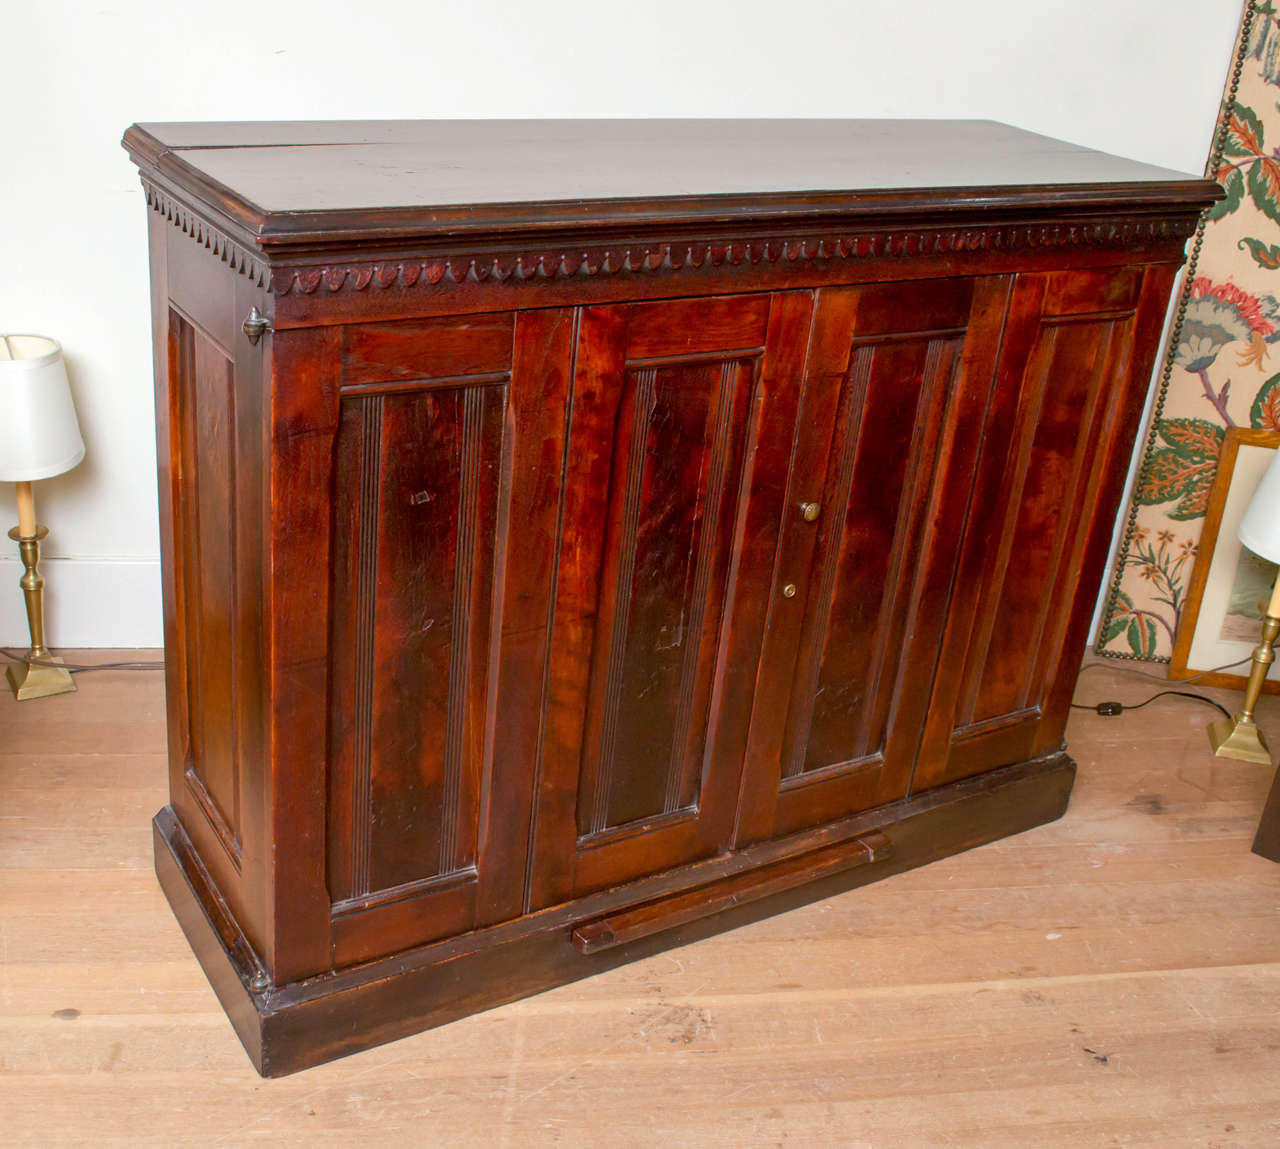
(560, 566)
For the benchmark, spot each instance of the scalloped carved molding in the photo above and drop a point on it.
(638, 257)
(234, 255)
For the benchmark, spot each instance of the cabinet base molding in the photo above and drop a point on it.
(291, 1027)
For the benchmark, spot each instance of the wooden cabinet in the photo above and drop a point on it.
(560, 566)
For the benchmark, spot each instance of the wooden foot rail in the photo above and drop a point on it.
(655, 917)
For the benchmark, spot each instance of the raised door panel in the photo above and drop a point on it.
(884, 452)
(447, 469)
(1068, 394)
(681, 419)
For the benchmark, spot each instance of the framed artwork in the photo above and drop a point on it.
(1222, 617)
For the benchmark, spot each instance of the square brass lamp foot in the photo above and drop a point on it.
(1239, 738)
(27, 681)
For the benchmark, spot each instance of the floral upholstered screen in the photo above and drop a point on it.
(1221, 367)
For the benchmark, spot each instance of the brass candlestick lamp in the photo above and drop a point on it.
(39, 438)
(1259, 530)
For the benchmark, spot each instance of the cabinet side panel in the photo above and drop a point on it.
(204, 380)
(210, 443)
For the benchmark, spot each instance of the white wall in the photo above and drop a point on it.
(1139, 79)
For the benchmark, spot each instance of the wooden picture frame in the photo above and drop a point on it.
(1217, 623)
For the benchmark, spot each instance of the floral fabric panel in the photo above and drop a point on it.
(1221, 366)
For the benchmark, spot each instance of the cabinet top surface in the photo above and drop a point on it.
(290, 179)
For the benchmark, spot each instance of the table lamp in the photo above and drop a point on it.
(39, 438)
(1259, 530)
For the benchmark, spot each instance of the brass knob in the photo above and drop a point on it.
(789, 591)
(810, 511)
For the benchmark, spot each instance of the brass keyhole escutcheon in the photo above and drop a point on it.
(810, 512)
(789, 591)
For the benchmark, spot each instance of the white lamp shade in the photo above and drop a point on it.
(39, 433)
(1259, 528)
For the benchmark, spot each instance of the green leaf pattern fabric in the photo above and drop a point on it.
(1221, 366)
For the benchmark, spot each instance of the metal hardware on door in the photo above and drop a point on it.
(255, 325)
(810, 511)
(789, 591)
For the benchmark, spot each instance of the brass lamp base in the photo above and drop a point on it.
(33, 679)
(27, 681)
(1239, 738)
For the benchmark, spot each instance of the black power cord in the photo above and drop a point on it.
(1115, 709)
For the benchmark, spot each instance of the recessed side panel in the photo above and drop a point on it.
(202, 380)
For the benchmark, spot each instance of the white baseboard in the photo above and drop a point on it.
(88, 603)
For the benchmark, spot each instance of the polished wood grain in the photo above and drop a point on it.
(297, 183)
(493, 606)
(878, 413)
(1062, 407)
(969, 1003)
(669, 402)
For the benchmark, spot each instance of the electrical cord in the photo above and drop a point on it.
(1156, 678)
(1114, 709)
(1111, 709)
(80, 668)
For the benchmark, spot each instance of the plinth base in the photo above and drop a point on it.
(289, 1027)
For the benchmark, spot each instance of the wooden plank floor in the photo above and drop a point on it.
(1112, 979)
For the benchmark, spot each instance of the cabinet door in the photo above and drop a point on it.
(682, 417)
(449, 442)
(883, 460)
(1068, 394)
